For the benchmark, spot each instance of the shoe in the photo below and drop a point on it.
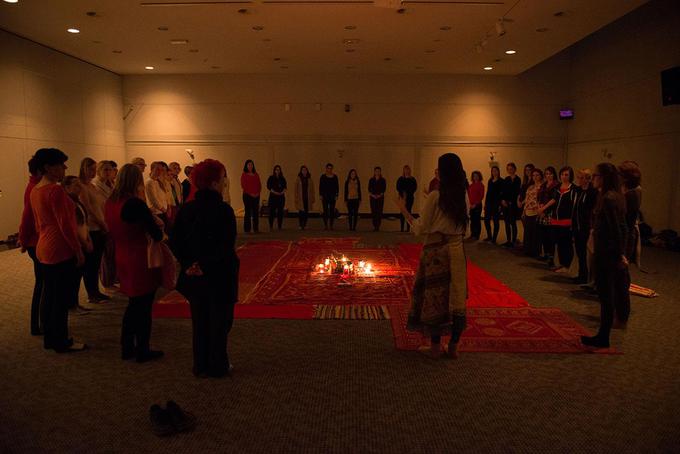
(594, 342)
(103, 296)
(161, 422)
(432, 353)
(149, 355)
(451, 351)
(507, 244)
(181, 420)
(74, 347)
(80, 310)
(561, 270)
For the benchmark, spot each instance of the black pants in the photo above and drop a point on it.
(581, 247)
(565, 246)
(211, 318)
(303, 214)
(409, 207)
(510, 221)
(492, 215)
(476, 221)
(612, 284)
(93, 261)
(548, 240)
(36, 302)
(59, 281)
(328, 210)
(276, 204)
(252, 213)
(136, 330)
(532, 239)
(353, 213)
(377, 206)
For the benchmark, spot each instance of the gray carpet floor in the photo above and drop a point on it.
(340, 386)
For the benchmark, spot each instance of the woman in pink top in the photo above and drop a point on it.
(28, 239)
(251, 185)
(476, 195)
(58, 248)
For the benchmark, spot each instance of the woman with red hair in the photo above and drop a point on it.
(203, 241)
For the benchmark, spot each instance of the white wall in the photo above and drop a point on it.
(616, 92)
(48, 99)
(394, 121)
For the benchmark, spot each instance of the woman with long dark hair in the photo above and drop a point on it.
(631, 176)
(304, 195)
(529, 204)
(352, 198)
(329, 189)
(131, 222)
(277, 186)
(492, 204)
(440, 289)
(203, 241)
(251, 186)
(609, 253)
(527, 180)
(545, 215)
(476, 196)
(406, 187)
(58, 248)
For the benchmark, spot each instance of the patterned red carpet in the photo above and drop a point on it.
(277, 280)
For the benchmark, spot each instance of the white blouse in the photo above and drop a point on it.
(156, 197)
(433, 220)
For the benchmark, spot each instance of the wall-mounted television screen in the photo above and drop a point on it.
(566, 114)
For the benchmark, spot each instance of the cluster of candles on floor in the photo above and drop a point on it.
(344, 267)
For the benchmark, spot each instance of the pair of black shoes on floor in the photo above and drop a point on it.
(595, 341)
(171, 420)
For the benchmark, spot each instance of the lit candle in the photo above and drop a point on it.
(368, 268)
(361, 263)
(327, 262)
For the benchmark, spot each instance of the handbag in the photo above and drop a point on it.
(160, 256)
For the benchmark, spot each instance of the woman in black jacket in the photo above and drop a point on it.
(277, 186)
(609, 246)
(406, 188)
(329, 188)
(203, 241)
(562, 203)
(492, 203)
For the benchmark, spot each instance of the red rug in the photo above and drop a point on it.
(517, 330)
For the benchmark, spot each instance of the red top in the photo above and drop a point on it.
(476, 193)
(55, 221)
(251, 184)
(434, 185)
(28, 235)
(131, 244)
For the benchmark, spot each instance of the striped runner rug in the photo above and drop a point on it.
(350, 312)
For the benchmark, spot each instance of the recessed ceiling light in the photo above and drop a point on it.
(73, 30)
(542, 30)
(445, 28)
(149, 68)
(350, 41)
(350, 27)
(510, 52)
(11, 1)
(179, 42)
(163, 28)
(488, 68)
(258, 28)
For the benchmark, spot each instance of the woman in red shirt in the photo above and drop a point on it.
(58, 248)
(28, 239)
(252, 186)
(130, 222)
(476, 195)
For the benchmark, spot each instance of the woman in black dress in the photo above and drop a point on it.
(406, 187)
(277, 186)
(203, 241)
(494, 191)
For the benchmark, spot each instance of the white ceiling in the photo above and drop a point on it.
(307, 36)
